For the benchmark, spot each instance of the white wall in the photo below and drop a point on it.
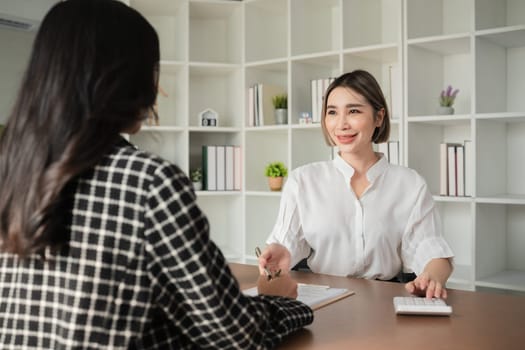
(15, 47)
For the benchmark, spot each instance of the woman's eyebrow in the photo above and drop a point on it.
(350, 105)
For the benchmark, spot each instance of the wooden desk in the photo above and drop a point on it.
(367, 320)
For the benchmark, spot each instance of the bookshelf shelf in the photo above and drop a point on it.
(507, 279)
(503, 198)
(447, 120)
(453, 199)
(380, 53)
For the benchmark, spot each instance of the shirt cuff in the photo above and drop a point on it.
(431, 248)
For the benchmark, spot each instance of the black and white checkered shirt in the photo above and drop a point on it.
(139, 272)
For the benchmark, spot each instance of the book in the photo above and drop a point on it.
(448, 168)
(237, 168)
(393, 152)
(265, 92)
(443, 169)
(320, 92)
(313, 295)
(460, 171)
(251, 106)
(229, 168)
(469, 168)
(209, 167)
(383, 148)
(221, 168)
(452, 174)
(315, 99)
(256, 116)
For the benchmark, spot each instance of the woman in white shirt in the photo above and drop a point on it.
(358, 215)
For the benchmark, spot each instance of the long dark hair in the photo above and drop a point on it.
(366, 85)
(92, 74)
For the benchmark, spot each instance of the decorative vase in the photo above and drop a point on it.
(281, 116)
(275, 183)
(442, 110)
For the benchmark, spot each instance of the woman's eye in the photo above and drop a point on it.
(330, 112)
(353, 111)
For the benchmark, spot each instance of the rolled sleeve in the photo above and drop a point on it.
(287, 229)
(423, 239)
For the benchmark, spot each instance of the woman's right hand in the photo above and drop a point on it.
(274, 258)
(283, 286)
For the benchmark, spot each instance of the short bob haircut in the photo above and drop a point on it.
(366, 85)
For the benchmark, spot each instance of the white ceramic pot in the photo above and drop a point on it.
(281, 116)
(441, 110)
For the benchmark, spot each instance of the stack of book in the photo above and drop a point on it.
(318, 88)
(222, 168)
(260, 107)
(456, 169)
(391, 151)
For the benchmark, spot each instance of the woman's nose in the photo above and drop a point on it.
(343, 122)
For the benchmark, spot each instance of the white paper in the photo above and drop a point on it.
(309, 294)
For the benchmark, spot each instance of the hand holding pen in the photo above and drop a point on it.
(269, 283)
(269, 274)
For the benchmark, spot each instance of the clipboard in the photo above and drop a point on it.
(313, 295)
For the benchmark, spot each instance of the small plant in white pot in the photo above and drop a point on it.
(280, 103)
(276, 172)
(196, 178)
(446, 100)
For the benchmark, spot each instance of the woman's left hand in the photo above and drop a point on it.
(425, 286)
(431, 282)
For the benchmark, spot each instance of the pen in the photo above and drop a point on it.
(269, 275)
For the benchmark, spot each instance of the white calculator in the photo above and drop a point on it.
(421, 306)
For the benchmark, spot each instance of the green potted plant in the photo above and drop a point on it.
(446, 100)
(275, 172)
(280, 104)
(196, 178)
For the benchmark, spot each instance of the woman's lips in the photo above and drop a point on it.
(346, 138)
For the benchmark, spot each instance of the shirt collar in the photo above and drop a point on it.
(373, 173)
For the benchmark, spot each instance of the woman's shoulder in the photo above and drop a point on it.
(126, 155)
(314, 168)
(405, 174)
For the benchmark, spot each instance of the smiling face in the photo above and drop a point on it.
(350, 121)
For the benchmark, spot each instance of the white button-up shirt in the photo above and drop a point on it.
(393, 225)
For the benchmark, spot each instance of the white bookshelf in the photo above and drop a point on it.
(214, 50)
(479, 47)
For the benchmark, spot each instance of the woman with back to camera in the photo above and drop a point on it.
(102, 245)
(358, 215)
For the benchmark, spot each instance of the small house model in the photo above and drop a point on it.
(209, 117)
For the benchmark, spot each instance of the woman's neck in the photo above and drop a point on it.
(360, 162)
